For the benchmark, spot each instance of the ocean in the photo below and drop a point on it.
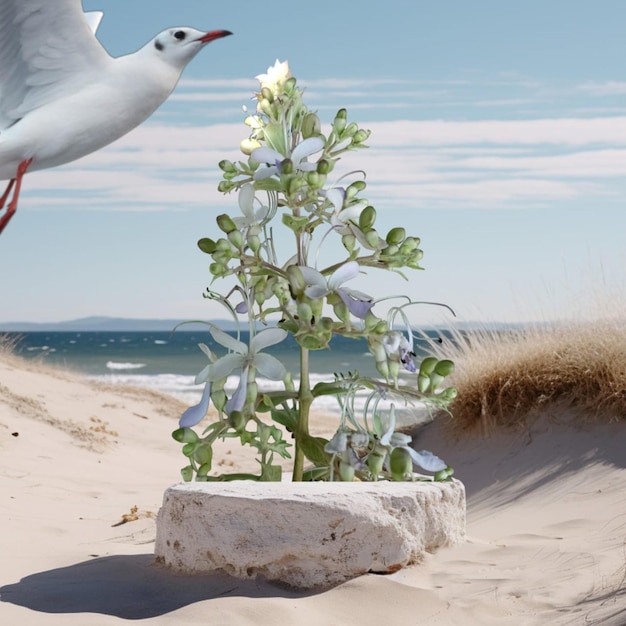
(168, 362)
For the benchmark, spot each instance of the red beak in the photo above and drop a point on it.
(214, 34)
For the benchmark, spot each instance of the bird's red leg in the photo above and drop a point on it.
(17, 181)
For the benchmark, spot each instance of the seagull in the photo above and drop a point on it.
(62, 96)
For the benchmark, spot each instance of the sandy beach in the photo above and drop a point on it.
(83, 468)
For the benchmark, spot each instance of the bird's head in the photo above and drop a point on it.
(177, 46)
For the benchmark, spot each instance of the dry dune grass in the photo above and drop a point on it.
(510, 378)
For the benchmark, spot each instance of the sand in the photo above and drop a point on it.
(83, 468)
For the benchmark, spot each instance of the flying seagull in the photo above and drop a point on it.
(62, 96)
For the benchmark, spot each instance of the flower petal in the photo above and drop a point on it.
(224, 366)
(304, 149)
(267, 337)
(386, 438)
(194, 414)
(342, 274)
(359, 308)
(312, 276)
(269, 366)
(238, 399)
(426, 460)
(246, 200)
(265, 172)
(336, 196)
(228, 341)
(266, 155)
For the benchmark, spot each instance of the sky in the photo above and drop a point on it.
(498, 138)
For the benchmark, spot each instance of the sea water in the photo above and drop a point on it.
(168, 362)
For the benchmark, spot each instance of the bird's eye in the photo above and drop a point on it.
(180, 35)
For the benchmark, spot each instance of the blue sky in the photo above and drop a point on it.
(498, 137)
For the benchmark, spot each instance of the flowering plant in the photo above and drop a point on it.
(285, 182)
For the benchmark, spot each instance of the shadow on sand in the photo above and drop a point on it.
(129, 587)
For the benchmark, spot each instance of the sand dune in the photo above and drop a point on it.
(82, 473)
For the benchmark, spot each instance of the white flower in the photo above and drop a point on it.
(400, 349)
(425, 459)
(246, 204)
(195, 414)
(358, 303)
(298, 156)
(243, 356)
(276, 76)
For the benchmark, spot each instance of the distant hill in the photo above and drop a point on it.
(124, 324)
(109, 324)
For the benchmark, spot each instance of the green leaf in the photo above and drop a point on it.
(187, 473)
(286, 418)
(315, 473)
(203, 454)
(313, 449)
(295, 223)
(271, 473)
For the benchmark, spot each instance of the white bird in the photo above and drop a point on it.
(62, 96)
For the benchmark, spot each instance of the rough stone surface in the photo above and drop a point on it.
(306, 535)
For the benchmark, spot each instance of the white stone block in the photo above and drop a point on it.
(306, 535)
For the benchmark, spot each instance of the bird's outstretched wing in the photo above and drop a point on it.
(47, 49)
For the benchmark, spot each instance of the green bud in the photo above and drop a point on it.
(400, 464)
(187, 473)
(367, 218)
(265, 106)
(227, 166)
(295, 184)
(346, 471)
(305, 312)
(311, 125)
(185, 435)
(286, 166)
(444, 368)
(372, 239)
(396, 236)
(296, 280)
(350, 130)
(314, 179)
(290, 85)
(237, 421)
(225, 186)
(371, 321)
(252, 392)
(427, 367)
(219, 399)
(207, 245)
(348, 241)
(225, 223)
(266, 93)
(435, 380)
(342, 311)
(254, 243)
(324, 166)
(360, 136)
(236, 238)
(354, 188)
(339, 123)
(423, 383)
(217, 269)
(375, 461)
(448, 394)
(247, 146)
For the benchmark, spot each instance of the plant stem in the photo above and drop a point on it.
(305, 399)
